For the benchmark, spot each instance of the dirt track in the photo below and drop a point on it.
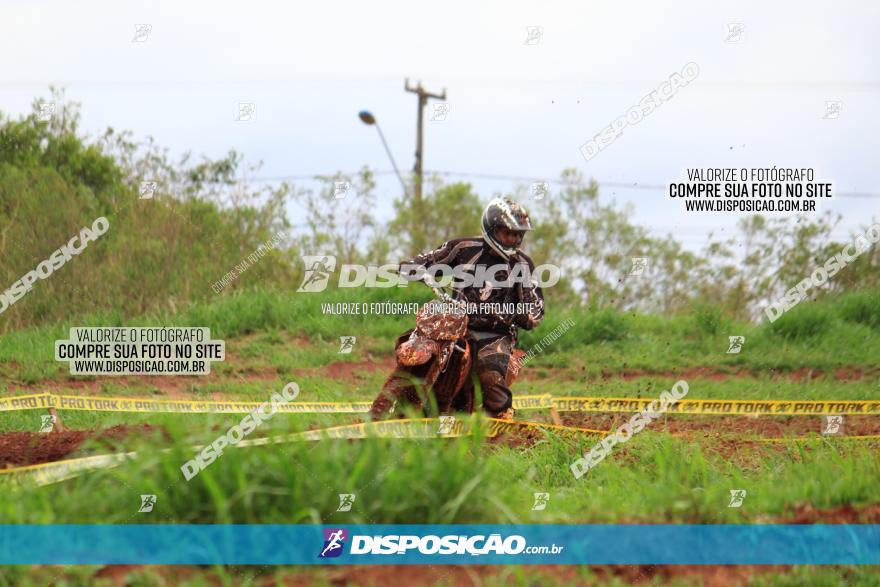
(30, 448)
(709, 426)
(19, 448)
(729, 433)
(708, 576)
(475, 576)
(355, 371)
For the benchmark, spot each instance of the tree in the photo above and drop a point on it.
(449, 211)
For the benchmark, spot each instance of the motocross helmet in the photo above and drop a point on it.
(504, 212)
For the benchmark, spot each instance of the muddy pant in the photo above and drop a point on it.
(491, 357)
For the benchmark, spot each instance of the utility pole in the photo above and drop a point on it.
(417, 169)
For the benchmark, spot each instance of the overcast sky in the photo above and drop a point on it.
(515, 108)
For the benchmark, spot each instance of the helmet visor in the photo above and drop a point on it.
(509, 238)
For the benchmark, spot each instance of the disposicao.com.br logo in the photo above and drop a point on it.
(334, 540)
(319, 269)
(451, 544)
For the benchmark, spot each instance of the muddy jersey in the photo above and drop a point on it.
(497, 308)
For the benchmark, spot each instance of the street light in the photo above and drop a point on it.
(370, 120)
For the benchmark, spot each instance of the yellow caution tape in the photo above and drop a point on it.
(46, 473)
(447, 427)
(26, 402)
(720, 407)
(131, 404)
(533, 402)
(134, 404)
(526, 402)
(420, 428)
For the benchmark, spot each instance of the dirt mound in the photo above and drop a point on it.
(709, 576)
(844, 514)
(478, 575)
(519, 439)
(30, 448)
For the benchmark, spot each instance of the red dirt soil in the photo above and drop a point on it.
(709, 576)
(30, 448)
(520, 439)
(472, 576)
(731, 434)
(845, 514)
(720, 426)
(177, 386)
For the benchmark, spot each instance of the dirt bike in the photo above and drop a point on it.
(434, 363)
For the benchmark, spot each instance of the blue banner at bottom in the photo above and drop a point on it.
(457, 544)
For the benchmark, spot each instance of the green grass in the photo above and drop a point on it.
(822, 336)
(652, 478)
(273, 338)
(297, 482)
(862, 307)
(807, 321)
(824, 388)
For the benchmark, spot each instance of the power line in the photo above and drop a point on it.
(481, 79)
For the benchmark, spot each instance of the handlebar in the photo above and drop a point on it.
(438, 290)
(440, 293)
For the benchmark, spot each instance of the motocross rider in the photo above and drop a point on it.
(493, 335)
